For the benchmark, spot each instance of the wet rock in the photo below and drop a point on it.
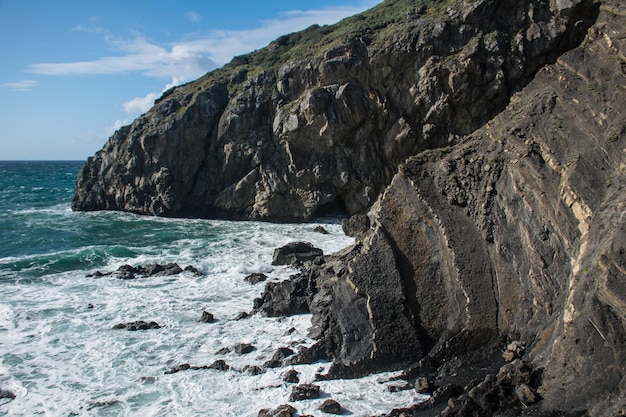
(422, 385)
(243, 348)
(138, 325)
(284, 410)
(207, 317)
(152, 270)
(253, 370)
(330, 406)
(304, 392)
(6, 394)
(292, 376)
(219, 365)
(223, 351)
(295, 253)
(179, 368)
(287, 297)
(241, 316)
(320, 229)
(279, 357)
(255, 278)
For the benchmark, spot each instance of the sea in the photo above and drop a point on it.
(60, 354)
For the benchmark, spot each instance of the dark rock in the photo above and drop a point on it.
(295, 253)
(287, 297)
(6, 394)
(304, 392)
(422, 386)
(138, 325)
(219, 365)
(243, 348)
(330, 406)
(291, 376)
(279, 356)
(207, 317)
(152, 270)
(223, 351)
(356, 225)
(320, 229)
(253, 370)
(526, 395)
(179, 368)
(255, 278)
(241, 316)
(284, 410)
(193, 270)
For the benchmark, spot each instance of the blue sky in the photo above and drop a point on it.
(73, 71)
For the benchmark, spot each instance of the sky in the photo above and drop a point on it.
(74, 71)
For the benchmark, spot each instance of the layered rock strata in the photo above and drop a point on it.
(281, 134)
(517, 232)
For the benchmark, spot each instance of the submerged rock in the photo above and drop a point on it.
(207, 317)
(255, 278)
(138, 325)
(146, 271)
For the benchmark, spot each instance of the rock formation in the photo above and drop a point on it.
(324, 117)
(486, 140)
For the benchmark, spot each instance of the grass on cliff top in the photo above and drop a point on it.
(373, 25)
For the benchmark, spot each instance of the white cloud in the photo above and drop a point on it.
(189, 59)
(140, 105)
(24, 85)
(193, 17)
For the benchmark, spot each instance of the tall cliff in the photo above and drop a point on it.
(487, 141)
(325, 116)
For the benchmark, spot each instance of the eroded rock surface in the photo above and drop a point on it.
(516, 233)
(291, 133)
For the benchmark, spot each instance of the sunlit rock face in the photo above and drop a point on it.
(327, 123)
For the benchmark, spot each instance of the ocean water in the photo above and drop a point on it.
(59, 353)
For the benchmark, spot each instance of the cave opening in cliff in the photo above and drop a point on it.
(335, 208)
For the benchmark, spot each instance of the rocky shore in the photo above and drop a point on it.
(479, 147)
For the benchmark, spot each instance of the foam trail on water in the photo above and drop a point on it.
(61, 356)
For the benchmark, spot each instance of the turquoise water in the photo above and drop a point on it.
(58, 352)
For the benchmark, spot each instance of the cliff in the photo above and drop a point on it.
(324, 117)
(486, 141)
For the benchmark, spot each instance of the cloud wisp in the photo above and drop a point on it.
(189, 59)
(24, 85)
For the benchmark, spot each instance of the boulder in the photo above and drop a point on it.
(255, 278)
(295, 253)
(138, 325)
(207, 317)
(304, 392)
(291, 376)
(330, 406)
(284, 410)
(279, 357)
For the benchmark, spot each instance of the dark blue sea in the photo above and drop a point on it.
(59, 353)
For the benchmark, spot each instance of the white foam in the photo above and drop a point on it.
(60, 354)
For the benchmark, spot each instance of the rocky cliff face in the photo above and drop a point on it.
(282, 140)
(492, 142)
(518, 232)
